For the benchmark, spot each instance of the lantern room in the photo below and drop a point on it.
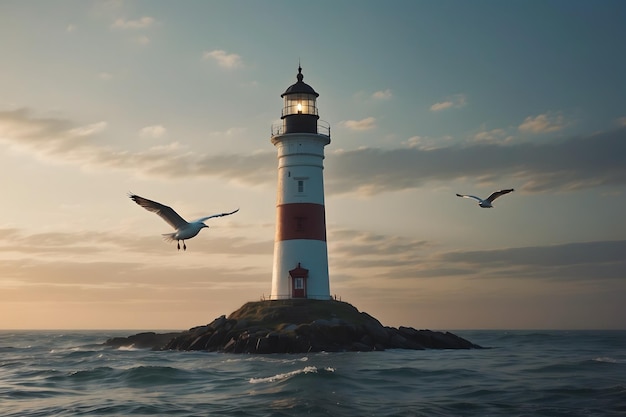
(300, 107)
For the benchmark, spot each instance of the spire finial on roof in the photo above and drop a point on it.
(300, 77)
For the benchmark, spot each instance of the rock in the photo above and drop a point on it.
(377, 332)
(295, 326)
(147, 340)
(397, 339)
(360, 347)
(288, 328)
(304, 329)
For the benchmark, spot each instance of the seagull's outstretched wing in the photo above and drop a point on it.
(215, 215)
(470, 196)
(167, 213)
(497, 194)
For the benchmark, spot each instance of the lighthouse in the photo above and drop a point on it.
(300, 251)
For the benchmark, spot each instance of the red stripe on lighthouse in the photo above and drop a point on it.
(301, 221)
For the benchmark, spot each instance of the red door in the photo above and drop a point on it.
(298, 281)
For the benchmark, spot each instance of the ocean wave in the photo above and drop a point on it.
(565, 367)
(137, 377)
(577, 375)
(142, 376)
(288, 375)
(93, 374)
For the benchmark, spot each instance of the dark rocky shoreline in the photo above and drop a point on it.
(295, 326)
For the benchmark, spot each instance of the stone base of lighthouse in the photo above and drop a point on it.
(296, 278)
(295, 326)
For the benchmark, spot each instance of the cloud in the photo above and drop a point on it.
(456, 101)
(441, 106)
(359, 254)
(418, 142)
(573, 164)
(359, 125)
(155, 131)
(70, 28)
(553, 255)
(572, 261)
(382, 95)
(46, 136)
(102, 270)
(621, 121)
(59, 140)
(102, 293)
(570, 164)
(141, 23)
(223, 59)
(96, 266)
(542, 123)
(425, 143)
(88, 130)
(492, 136)
(356, 249)
(89, 242)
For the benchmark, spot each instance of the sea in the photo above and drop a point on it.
(519, 373)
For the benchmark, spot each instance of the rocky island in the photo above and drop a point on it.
(295, 326)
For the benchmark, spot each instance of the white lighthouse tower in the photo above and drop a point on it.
(300, 250)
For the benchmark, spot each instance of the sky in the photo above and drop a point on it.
(174, 101)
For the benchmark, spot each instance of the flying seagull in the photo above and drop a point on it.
(184, 230)
(486, 203)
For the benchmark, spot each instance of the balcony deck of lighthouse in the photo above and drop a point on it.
(300, 251)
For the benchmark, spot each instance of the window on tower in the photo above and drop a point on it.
(298, 283)
(299, 185)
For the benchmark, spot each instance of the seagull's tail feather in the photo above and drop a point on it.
(170, 237)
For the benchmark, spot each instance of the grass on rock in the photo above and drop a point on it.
(272, 313)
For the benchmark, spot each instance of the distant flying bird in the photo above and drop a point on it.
(486, 203)
(184, 230)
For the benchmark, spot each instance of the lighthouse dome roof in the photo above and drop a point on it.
(300, 87)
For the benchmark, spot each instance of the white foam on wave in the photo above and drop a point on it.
(65, 350)
(280, 377)
(128, 348)
(268, 359)
(607, 359)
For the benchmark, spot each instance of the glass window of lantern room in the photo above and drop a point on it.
(299, 104)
